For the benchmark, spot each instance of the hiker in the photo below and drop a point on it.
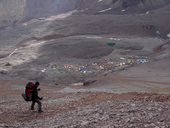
(36, 98)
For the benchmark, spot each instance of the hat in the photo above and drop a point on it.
(37, 83)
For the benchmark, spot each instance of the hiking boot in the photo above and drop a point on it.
(40, 111)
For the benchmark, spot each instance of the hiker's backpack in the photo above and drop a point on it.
(28, 91)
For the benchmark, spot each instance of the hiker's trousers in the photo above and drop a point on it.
(38, 102)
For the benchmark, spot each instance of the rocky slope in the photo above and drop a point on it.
(11, 11)
(121, 6)
(82, 110)
(16, 10)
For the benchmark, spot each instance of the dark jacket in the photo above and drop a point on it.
(35, 94)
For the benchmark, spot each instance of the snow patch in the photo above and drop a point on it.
(51, 18)
(105, 10)
(92, 37)
(168, 35)
(60, 16)
(12, 52)
(147, 12)
(43, 70)
(37, 44)
(116, 39)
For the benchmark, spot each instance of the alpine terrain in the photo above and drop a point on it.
(100, 63)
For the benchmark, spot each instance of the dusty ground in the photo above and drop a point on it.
(83, 109)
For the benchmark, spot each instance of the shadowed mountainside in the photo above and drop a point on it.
(17, 10)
